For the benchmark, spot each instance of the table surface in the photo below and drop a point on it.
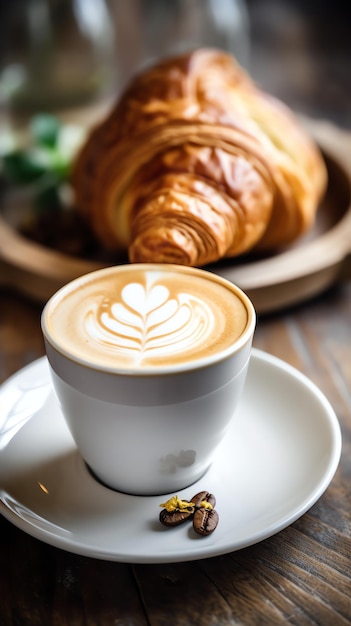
(300, 576)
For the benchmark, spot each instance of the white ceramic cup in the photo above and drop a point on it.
(148, 363)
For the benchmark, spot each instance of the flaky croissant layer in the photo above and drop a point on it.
(195, 163)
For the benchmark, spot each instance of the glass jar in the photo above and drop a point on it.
(147, 30)
(59, 53)
(54, 53)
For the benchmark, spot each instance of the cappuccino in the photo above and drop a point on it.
(148, 362)
(145, 317)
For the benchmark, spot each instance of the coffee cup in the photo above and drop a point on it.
(148, 362)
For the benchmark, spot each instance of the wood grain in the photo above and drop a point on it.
(301, 576)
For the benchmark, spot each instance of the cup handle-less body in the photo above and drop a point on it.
(185, 436)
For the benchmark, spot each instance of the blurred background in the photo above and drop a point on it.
(56, 54)
(301, 52)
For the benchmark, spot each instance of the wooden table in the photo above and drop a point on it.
(300, 576)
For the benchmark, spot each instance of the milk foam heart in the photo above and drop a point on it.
(147, 320)
(144, 317)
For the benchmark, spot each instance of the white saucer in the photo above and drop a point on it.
(277, 460)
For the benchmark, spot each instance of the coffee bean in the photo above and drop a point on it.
(174, 518)
(205, 521)
(204, 496)
(200, 508)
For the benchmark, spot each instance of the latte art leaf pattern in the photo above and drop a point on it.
(147, 320)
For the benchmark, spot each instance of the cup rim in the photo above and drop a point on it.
(178, 368)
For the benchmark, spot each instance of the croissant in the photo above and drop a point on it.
(195, 163)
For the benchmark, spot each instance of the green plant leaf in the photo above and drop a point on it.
(45, 129)
(19, 167)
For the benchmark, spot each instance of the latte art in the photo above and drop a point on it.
(148, 319)
(144, 317)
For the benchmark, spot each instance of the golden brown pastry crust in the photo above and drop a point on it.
(196, 163)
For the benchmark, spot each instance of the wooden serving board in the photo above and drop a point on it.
(318, 260)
